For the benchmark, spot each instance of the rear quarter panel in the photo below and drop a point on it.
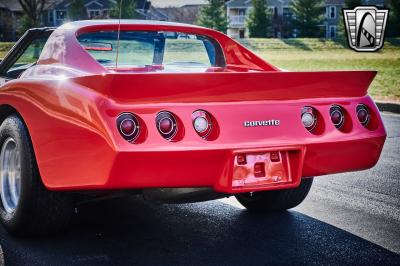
(66, 129)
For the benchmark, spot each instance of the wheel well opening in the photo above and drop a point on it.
(5, 111)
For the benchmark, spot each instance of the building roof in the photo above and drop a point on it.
(176, 3)
(374, 2)
(143, 4)
(334, 2)
(11, 5)
(186, 14)
(238, 3)
(102, 4)
(14, 5)
(157, 13)
(247, 3)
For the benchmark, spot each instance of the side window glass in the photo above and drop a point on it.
(28, 58)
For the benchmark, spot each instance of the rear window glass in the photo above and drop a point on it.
(145, 48)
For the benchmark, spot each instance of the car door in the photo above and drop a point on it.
(24, 54)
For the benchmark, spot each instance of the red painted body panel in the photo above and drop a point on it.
(70, 104)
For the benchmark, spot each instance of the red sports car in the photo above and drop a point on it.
(177, 113)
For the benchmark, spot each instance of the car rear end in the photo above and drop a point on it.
(185, 106)
(177, 113)
(235, 146)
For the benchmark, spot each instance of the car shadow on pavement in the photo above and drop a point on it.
(132, 231)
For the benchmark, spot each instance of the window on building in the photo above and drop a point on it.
(295, 33)
(93, 13)
(287, 12)
(60, 15)
(332, 12)
(50, 17)
(272, 10)
(332, 32)
(242, 33)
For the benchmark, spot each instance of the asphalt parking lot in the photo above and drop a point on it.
(351, 218)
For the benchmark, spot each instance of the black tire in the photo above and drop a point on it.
(275, 200)
(39, 211)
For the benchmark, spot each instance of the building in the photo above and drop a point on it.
(333, 17)
(56, 13)
(185, 14)
(10, 14)
(238, 10)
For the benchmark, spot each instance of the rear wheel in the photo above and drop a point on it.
(26, 206)
(275, 200)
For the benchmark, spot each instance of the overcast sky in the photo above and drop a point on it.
(165, 3)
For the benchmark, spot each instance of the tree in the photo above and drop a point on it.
(33, 10)
(308, 16)
(352, 3)
(128, 9)
(24, 24)
(77, 10)
(259, 20)
(213, 15)
(394, 18)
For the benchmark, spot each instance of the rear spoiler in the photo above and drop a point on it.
(228, 86)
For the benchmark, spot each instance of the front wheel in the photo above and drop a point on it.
(275, 200)
(26, 206)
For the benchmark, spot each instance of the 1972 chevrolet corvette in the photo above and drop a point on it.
(178, 113)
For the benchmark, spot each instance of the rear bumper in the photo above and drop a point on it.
(75, 156)
(215, 168)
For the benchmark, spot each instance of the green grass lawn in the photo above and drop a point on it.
(314, 55)
(4, 47)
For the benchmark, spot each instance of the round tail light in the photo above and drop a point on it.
(363, 114)
(337, 116)
(309, 117)
(166, 125)
(129, 126)
(202, 123)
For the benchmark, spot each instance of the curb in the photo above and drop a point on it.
(388, 107)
